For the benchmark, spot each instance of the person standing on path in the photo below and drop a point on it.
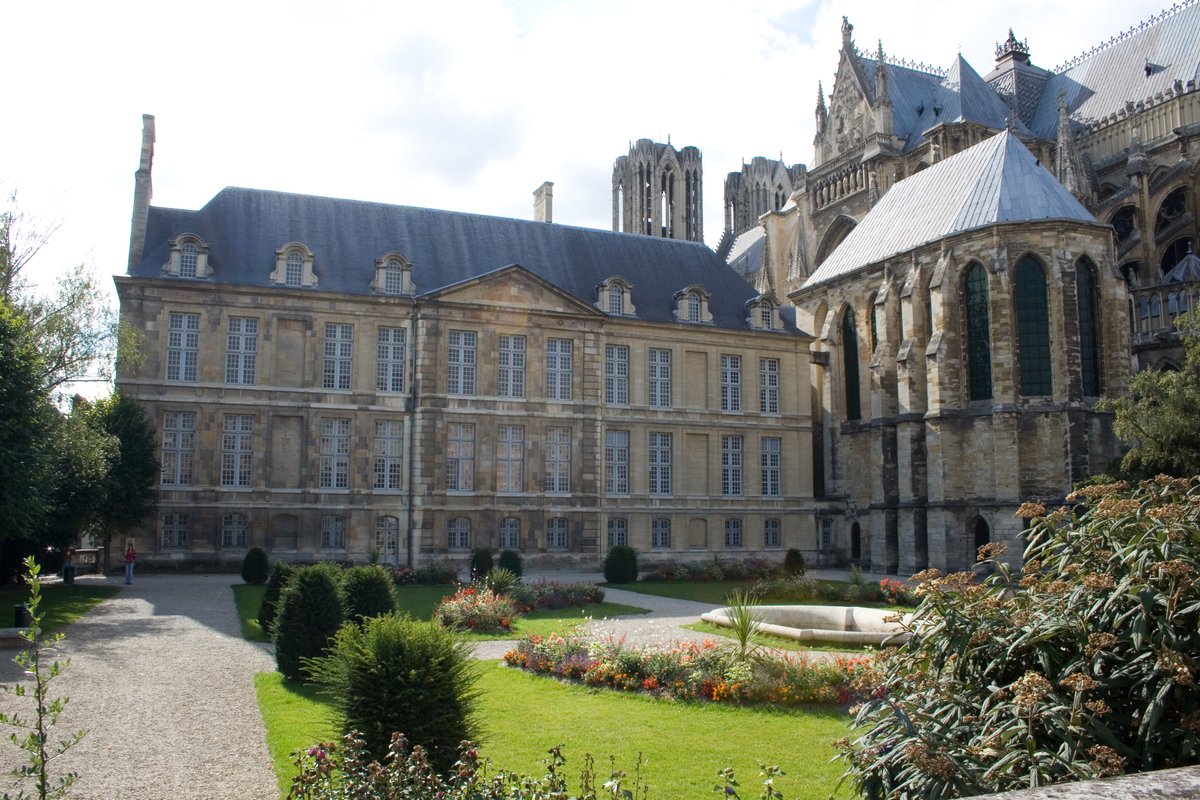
(130, 560)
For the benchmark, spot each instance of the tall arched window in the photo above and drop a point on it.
(850, 364)
(187, 260)
(1089, 336)
(1033, 327)
(979, 337)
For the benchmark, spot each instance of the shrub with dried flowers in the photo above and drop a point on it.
(1084, 666)
(690, 671)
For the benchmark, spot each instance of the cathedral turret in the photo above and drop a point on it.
(883, 98)
(658, 191)
(822, 112)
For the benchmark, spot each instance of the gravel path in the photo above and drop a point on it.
(160, 678)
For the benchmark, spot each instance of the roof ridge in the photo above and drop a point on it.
(1123, 35)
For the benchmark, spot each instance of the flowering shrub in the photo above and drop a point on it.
(434, 574)
(327, 772)
(1082, 666)
(551, 594)
(689, 671)
(718, 569)
(475, 609)
(897, 593)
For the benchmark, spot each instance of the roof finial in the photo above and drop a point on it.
(847, 29)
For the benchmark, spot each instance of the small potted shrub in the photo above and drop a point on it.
(511, 561)
(255, 569)
(793, 562)
(620, 565)
(481, 563)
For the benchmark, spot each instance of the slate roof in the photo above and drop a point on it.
(245, 227)
(1100, 84)
(746, 255)
(997, 180)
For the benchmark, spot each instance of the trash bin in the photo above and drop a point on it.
(21, 616)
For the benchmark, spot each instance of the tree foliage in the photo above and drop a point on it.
(1158, 414)
(1084, 666)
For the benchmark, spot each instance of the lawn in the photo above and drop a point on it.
(61, 604)
(419, 602)
(683, 744)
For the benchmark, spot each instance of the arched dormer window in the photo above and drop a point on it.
(294, 266)
(1089, 326)
(763, 313)
(691, 305)
(189, 257)
(979, 337)
(1033, 327)
(850, 364)
(393, 275)
(615, 296)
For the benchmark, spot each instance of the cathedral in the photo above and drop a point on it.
(891, 348)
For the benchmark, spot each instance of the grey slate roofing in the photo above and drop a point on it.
(245, 227)
(1186, 271)
(997, 180)
(1100, 84)
(746, 255)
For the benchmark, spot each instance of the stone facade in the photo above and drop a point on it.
(658, 190)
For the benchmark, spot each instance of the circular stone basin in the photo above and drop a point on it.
(834, 624)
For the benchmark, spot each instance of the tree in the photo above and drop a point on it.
(1158, 414)
(128, 493)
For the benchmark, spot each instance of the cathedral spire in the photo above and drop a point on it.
(822, 112)
(1068, 167)
(881, 79)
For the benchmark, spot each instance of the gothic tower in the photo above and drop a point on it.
(657, 191)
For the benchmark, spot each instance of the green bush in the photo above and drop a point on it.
(310, 613)
(396, 674)
(793, 562)
(481, 563)
(255, 569)
(511, 561)
(620, 565)
(281, 573)
(368, 591)
(500, 581)
(1081, 667)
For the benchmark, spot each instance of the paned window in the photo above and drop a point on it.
(768, 385)
(559, 368)
(178, 444)
(616, 462)
(557, 451)
(556, 533)
(393, 277)
(1033, 328)
(731, 383)
(389, 449)
(387, 535)
(458, 534)
(293, 269)
(183, 346)
(660, 534)
(510, 366)
(693, 307)
(772, 448)
(850, 364)
(175, 530)
(1089, 337)
(772, 533)
(618, 532)
(460, 457)
(335, 454)
(616, 298)
(339, 355)
(660, 378)
(460, 377)
(616, 374)
(187, 260)
(733, 534)
(510, 458)
(731, 466)
(510, 534)
(766, 316)
(660, 463)
(389, 360)
(233, 530)
(979, 338)
(241, 351)
(333, 532)
(237, 449)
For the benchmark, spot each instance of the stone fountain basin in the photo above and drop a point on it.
(852, 625)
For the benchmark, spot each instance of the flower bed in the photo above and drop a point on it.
(551, 594)
(718, 569)
(689, 671)
(475, 609)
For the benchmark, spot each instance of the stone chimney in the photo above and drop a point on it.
(543, 203)
(143, 190)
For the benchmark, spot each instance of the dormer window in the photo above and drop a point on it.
(189, 257)
(691, 305)
(393, 275)
(615, 297)
(762, 313)
(294, 266)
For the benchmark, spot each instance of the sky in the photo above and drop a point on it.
(467, 106)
